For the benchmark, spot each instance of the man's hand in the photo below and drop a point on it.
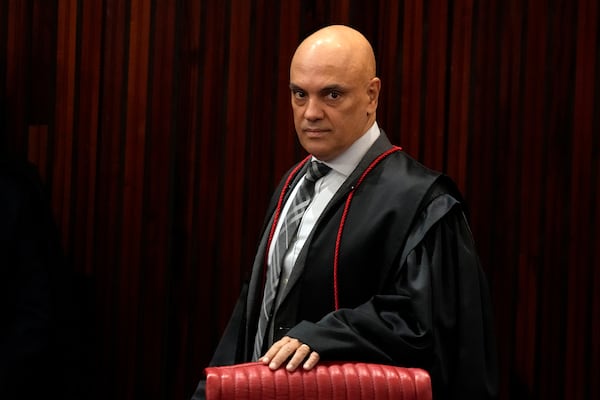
(288, 347)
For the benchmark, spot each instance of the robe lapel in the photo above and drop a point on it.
(255, 287)
(381, 145)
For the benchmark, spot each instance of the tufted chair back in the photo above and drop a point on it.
(327, 381)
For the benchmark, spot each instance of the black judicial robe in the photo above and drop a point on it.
(410, 287)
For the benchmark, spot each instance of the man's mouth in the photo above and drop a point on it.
(315, 132)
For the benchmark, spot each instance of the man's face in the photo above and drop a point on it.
(333, 104)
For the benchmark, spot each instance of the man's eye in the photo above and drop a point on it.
(334, 95)
(299, 94)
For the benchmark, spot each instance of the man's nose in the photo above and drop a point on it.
(314, 110)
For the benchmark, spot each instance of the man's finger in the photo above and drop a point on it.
(300, 354)
(312, 361)
(282, 351)
(274, 349)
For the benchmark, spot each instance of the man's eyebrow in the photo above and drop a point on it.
(326, 89)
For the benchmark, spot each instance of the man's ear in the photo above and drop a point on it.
(373, 93)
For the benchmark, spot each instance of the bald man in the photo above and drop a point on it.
(381, 266)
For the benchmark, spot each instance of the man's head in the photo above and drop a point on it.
(334, 90)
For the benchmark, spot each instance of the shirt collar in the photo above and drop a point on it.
(349, 159)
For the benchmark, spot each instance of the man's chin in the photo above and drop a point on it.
(320, 152)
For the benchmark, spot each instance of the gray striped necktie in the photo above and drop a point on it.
(286, 236)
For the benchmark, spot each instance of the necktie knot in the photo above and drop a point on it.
(316, 170)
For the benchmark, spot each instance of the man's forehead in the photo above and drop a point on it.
(324, 76)
(323, 58)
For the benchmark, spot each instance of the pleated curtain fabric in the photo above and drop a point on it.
(286, 235)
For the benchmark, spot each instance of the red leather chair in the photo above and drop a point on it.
(329, 381)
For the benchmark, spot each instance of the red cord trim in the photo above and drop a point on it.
(338, 241)
(286, 186)
(343, 221)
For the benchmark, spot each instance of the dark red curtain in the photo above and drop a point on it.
(161, 127)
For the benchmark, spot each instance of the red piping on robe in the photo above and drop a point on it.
(342, 222)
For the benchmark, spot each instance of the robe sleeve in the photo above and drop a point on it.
(435, 312)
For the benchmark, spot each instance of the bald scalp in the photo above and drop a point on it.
(334, 90)
(340, 45)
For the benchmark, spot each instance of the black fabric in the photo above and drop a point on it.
(411, 288)
(227, 352)
(200, 392)
(39, 350)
